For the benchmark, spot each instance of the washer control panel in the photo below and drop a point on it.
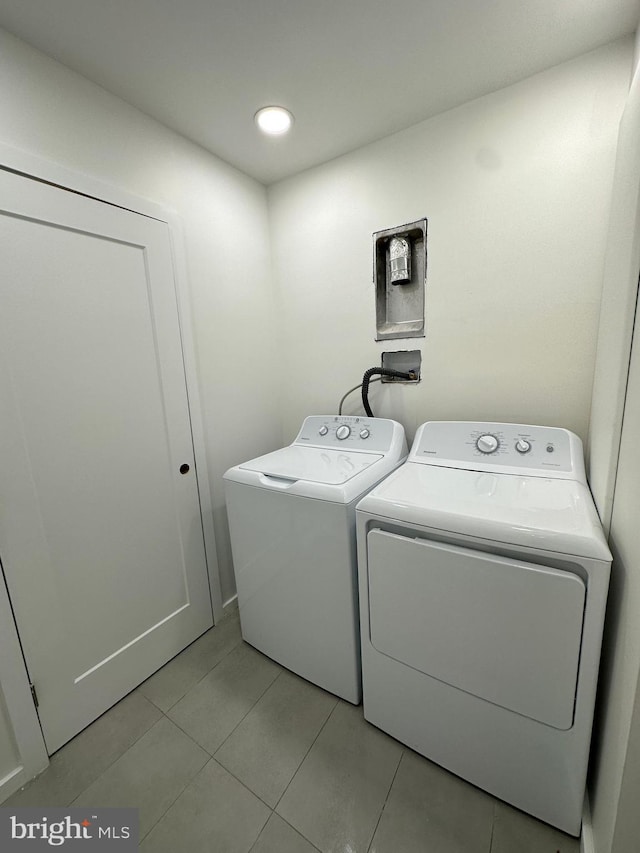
(496, 446)
(374, 435)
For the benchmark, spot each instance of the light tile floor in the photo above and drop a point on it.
(224, 751)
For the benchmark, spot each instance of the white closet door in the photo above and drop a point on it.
(100, 534)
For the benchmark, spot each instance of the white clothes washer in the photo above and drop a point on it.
(483, 577)
(292, 523)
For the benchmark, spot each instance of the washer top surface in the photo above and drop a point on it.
(313, 464)
(497, 499)
(334, 457)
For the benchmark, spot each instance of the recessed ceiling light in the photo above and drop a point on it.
(274, 120)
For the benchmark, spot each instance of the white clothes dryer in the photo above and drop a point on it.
(292, 523)
(483, 577)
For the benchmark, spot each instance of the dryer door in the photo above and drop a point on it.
(504, 630)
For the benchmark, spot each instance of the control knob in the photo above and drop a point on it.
(487, 443)
(523, 446)
(364, 433)
(323, 430)
(343, 432)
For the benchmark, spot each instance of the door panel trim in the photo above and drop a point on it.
(128, 645)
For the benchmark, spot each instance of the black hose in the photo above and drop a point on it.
(379, 371)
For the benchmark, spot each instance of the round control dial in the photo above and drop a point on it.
(343, 432)
(487, 443)
(523, 446)
(323, 430)
(364, 433)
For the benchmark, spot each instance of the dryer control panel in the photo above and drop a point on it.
(375, 435)
(508, 448)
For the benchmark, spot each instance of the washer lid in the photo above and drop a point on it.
(312, 464)
(550, 514)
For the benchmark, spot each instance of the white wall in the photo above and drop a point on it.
(51, 111)
(516, 187)
(622, 260)
(615, 776)
(616, 744)
(627, 829)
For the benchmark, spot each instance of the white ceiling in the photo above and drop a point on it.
(351, 71)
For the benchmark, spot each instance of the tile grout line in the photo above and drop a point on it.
(240, 782)
(386, 799)
(493, 826)
(206, 764)
(122, 756)
(264, 693)
(109, 766)
(206, 751)
(173, 802)
(164, 715)
(186, 734)
(208, 672)
(261, 828)
(322, 727)
(244, 784)
(299, 833)
(212, 754)
(184, 651)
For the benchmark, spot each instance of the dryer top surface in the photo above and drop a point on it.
(541, 512)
